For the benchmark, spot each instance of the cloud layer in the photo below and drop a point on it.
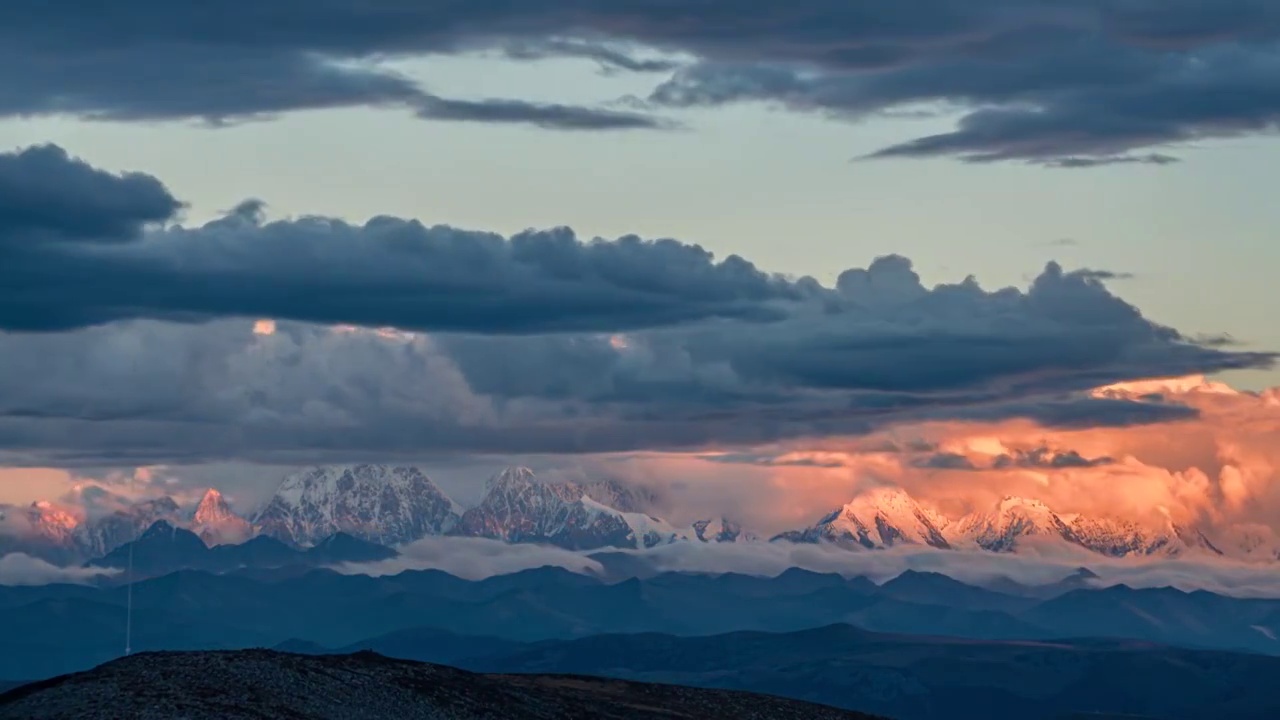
(20, 569)
(473, 559)
(476, 559)
(1058, 82)
(234, 339)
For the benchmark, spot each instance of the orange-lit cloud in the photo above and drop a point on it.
(1219, 470)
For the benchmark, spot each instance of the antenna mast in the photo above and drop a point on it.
(128, 579)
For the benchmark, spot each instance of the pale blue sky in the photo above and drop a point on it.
(773, 186)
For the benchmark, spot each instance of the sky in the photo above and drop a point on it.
(289, 234)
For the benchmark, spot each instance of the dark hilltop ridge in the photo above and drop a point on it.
(267, 684)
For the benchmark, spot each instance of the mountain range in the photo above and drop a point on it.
(391, 506)
(921, 646)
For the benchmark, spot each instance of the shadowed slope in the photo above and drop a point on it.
(265, 684)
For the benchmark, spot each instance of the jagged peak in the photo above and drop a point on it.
(212, 505)
(879, 499)
(328, 478)
(516, 475)
(1011, 503)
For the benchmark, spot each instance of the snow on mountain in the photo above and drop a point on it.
(63, 535)
(878, 518)
(887, 517)
(215, 522)
(99, 536)
(41, 530)
(51, 522)
(383, 504)
(1012, 520)
(646, 531)
(1249, 542)
(517, 507)
(720, 531)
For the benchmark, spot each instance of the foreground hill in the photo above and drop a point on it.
(899, 676)
(264, 685)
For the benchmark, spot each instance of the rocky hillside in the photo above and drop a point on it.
(264, 684)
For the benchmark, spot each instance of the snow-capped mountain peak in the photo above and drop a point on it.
(720, 531)
(1013, 519)
(518, 507)
(98, 536)
(877, 518)
(646, 531)
(53, 520)
(212, 507)
(215, 522)
(389, 505)
(512, 477)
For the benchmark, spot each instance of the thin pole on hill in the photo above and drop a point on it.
(128, 579)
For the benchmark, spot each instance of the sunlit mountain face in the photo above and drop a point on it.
(1200, 489)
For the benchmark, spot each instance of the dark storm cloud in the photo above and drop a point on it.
(235, 79)
(147, 392)
(1044, 457)
(388, 271)
(548, 116)
(610, 58)
(1038, 458)
(539, 343)
(1063, 83)
(46, 196)
(944, 461)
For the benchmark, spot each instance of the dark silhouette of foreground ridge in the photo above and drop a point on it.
(266, 684)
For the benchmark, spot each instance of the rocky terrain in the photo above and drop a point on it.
(264, 685)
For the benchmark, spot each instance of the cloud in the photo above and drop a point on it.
(47, 196)
(771, 559)
(240, 336)
(477, 559)
(389, 271)
(20, 569)
(610, 56)
(473, 559)
(548, 116)
(1059, 84)
(1056, 82)
(244, 79)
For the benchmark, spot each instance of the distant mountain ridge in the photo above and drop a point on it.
(63, 627)
(164, 548)
(396, 505)
(518, 508)
(889, 517)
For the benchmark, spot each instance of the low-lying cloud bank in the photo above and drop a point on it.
(476, 559)
(20, 569)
